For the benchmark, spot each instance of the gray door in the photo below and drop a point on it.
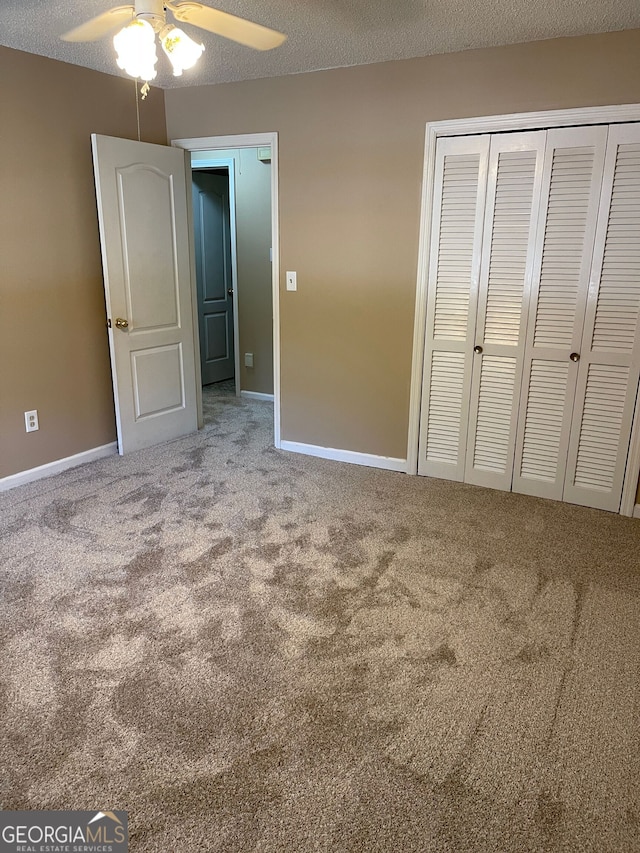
(213, 272)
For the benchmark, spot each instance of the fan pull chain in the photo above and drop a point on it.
(135, 83)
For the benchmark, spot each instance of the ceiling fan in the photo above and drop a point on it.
(137, 25)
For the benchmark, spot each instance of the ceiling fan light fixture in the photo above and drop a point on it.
(135, 46)
(183, 51)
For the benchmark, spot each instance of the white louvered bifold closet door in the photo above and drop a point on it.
(609, 364)
(454, 268)
(513, 196)
(564, 246)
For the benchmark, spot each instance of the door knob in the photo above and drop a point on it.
(477, 349)
(122, 324)
(575, 356)
(230, 291)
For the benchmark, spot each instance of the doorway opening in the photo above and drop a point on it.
(235, 239)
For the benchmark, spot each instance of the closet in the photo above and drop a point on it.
(532, 348)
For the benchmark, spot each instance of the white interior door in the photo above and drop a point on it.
(564, 246)
(142, 210)
(513, 196)
(609, 364)
(454, 269)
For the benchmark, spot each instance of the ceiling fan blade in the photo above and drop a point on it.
(102, 25)
(224, 24)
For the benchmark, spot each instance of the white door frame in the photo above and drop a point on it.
(254, 140)
(228, 163)
(497, 124)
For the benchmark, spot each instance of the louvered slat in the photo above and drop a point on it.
(455, 246)
(599, 443)
(509, 245)
(445, 407)
(563, 247)
(618, 308)
(493, 424)
(545, 404)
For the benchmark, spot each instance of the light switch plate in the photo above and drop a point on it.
(292, 280)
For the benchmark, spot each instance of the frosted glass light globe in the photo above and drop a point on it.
(183, 51)
(135, 46)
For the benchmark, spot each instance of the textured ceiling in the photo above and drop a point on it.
(323, 33)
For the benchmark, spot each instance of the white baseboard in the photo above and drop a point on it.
(56, 467)
(257, 395)
(371, 460)
(636, 511)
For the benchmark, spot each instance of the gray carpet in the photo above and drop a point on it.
(250, 650)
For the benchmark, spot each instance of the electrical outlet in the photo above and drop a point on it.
(31, 420)
(248, 359)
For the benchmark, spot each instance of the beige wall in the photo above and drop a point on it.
(253, 240)
(351, 150)
(53, 344)
(351, 146)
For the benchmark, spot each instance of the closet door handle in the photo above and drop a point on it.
(477, 349)
(575, 356)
